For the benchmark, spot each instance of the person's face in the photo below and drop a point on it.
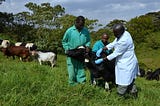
(105, 38)
(116, 33)
(79, 25)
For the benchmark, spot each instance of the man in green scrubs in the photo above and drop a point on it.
(76, 36)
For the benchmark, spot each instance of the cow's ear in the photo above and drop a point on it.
(81, 47)
(86, 60)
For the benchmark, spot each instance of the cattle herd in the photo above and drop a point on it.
(25, 51)
(105, 70)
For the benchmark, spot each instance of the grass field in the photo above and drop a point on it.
(29, 84)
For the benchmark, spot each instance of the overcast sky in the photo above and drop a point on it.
(103, 10)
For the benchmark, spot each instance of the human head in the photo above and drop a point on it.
(105, 38)
(79, 22)
(118, 30)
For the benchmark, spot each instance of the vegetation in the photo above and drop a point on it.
(28, 83)
(45, 25)
(1, 1)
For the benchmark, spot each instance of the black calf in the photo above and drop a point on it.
(142, 72)
(78, 53)
(153, 75)
(105, 70)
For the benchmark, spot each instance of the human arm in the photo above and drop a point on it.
(65, 41)
(98, 61)
(98, 53)
(120, 48)
(88, 39)
(110, 46)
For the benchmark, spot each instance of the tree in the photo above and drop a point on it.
(6, 22)
(115, 21)
(153, 41)
(45, 25)
(96, 35)
(155, 19)
(67, 21)
(140, 27)
(1, 1)
(44, 15)
(44, 18)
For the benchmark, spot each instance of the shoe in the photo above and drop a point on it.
(123, 96)
(120, 95)
(134, 95)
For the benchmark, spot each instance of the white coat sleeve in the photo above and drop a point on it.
(119, 49)
(111, 45)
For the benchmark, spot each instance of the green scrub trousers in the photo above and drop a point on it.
(76, 71)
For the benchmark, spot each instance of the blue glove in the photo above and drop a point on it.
(98, 61)
(99, 52)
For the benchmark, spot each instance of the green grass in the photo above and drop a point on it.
(29, 84)
(148, 57)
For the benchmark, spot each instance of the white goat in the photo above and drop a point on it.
(45, 56)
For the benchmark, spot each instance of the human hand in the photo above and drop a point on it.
(105, 59)
(105, 48)
(66, 52)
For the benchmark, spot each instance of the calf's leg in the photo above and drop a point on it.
(106, 86)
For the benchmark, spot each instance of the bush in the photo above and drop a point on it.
(153, 40)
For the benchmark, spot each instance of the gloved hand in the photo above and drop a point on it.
(98, 53)
(66, 52)
(98, 61)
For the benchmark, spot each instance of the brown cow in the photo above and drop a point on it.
(19, 51)
(30, 46)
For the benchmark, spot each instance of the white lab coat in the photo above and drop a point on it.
(126, 65)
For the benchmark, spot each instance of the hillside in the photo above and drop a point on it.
(29, 84)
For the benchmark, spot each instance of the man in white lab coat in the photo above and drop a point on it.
(126, 65)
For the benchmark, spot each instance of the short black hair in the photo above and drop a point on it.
(118, 30)
(80, 18)
(119, 26)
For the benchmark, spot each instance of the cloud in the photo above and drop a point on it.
(103, 10)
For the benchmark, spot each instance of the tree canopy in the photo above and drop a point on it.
(1, 1)
(45, 25)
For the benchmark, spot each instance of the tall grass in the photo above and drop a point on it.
(148, 57)
(30, 84)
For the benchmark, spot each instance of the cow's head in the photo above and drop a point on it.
(91, 56)
(5, 43)
(79, 53)
(151, 75)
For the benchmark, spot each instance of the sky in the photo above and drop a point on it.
(103, 10)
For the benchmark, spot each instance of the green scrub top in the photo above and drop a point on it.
(98, 45)
(73, 38)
